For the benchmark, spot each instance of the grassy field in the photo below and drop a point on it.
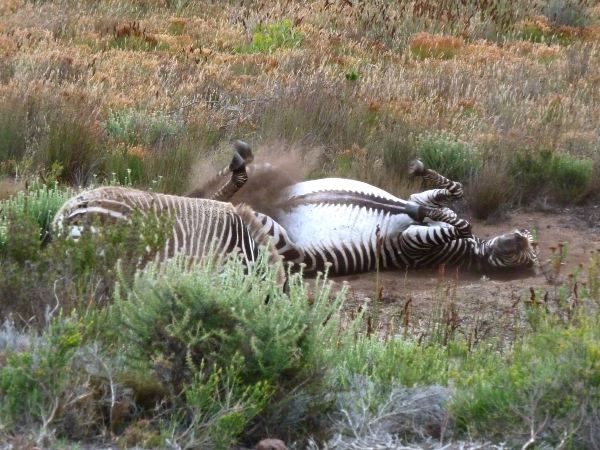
(503, 95)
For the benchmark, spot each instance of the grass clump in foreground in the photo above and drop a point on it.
(210, 356)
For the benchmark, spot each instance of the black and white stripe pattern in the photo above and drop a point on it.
(199, 225)
(351, 227)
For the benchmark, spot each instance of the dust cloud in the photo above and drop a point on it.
(275, 167)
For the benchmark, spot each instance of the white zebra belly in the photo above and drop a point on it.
(325, 225)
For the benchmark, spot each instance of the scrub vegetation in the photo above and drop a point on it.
(96, 349)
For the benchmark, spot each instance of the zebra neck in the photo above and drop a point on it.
(482, 249)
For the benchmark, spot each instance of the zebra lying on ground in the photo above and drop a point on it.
(355, 227)
(200, 225)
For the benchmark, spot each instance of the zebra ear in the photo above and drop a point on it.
(244, 150)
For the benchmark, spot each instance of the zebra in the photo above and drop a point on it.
(349, 226)
(237, 168)
(200, 226)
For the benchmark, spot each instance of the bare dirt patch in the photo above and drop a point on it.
(474, 296)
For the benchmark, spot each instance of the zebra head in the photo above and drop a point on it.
(511, 250)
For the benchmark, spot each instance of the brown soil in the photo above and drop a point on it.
(472, 294)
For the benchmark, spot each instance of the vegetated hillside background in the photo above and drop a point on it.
(94, 352)
(503, 95)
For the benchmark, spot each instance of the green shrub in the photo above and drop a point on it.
(35, 382)
(201, 315)
(453, 158)
(396, 362)
(34, 207)
(269, 38)
(222, 404)
(570, 177)
(549, 383)
(564, 177)
(133, 127)
(186, 327)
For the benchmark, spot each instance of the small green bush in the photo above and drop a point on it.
(564, 177)
(204, 316)
(550, 383)
(396, 362)
(454, 159)
(36, 381)
(133, 127)
(222, 404)
(36, 206)
(271, 37)
(570, 177)
(201, 328)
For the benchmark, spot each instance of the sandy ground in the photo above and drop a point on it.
(411, 298)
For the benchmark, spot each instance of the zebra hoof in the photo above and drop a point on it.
(244, 150)
(237, 163)
(416, 167)
(416, 212)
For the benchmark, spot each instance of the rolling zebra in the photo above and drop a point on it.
(200, 226)
(351, 227)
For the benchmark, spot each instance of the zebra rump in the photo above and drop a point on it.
(200, 226)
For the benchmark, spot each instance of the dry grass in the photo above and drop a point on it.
(371, 76)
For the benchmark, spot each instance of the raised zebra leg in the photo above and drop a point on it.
(460, 228)
(447, 192)
(242, 156)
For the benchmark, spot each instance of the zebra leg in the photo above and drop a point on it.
(448, 190)
(417, 240)
(242, 156)
(430, 246)
(285, 247)
(445, 215)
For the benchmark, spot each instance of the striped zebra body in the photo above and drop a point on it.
(352, 227)
(199, 225)
(349, 226)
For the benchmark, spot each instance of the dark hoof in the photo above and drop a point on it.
(416, 167)
(237, 163)
(244, 150)
(415, 211)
